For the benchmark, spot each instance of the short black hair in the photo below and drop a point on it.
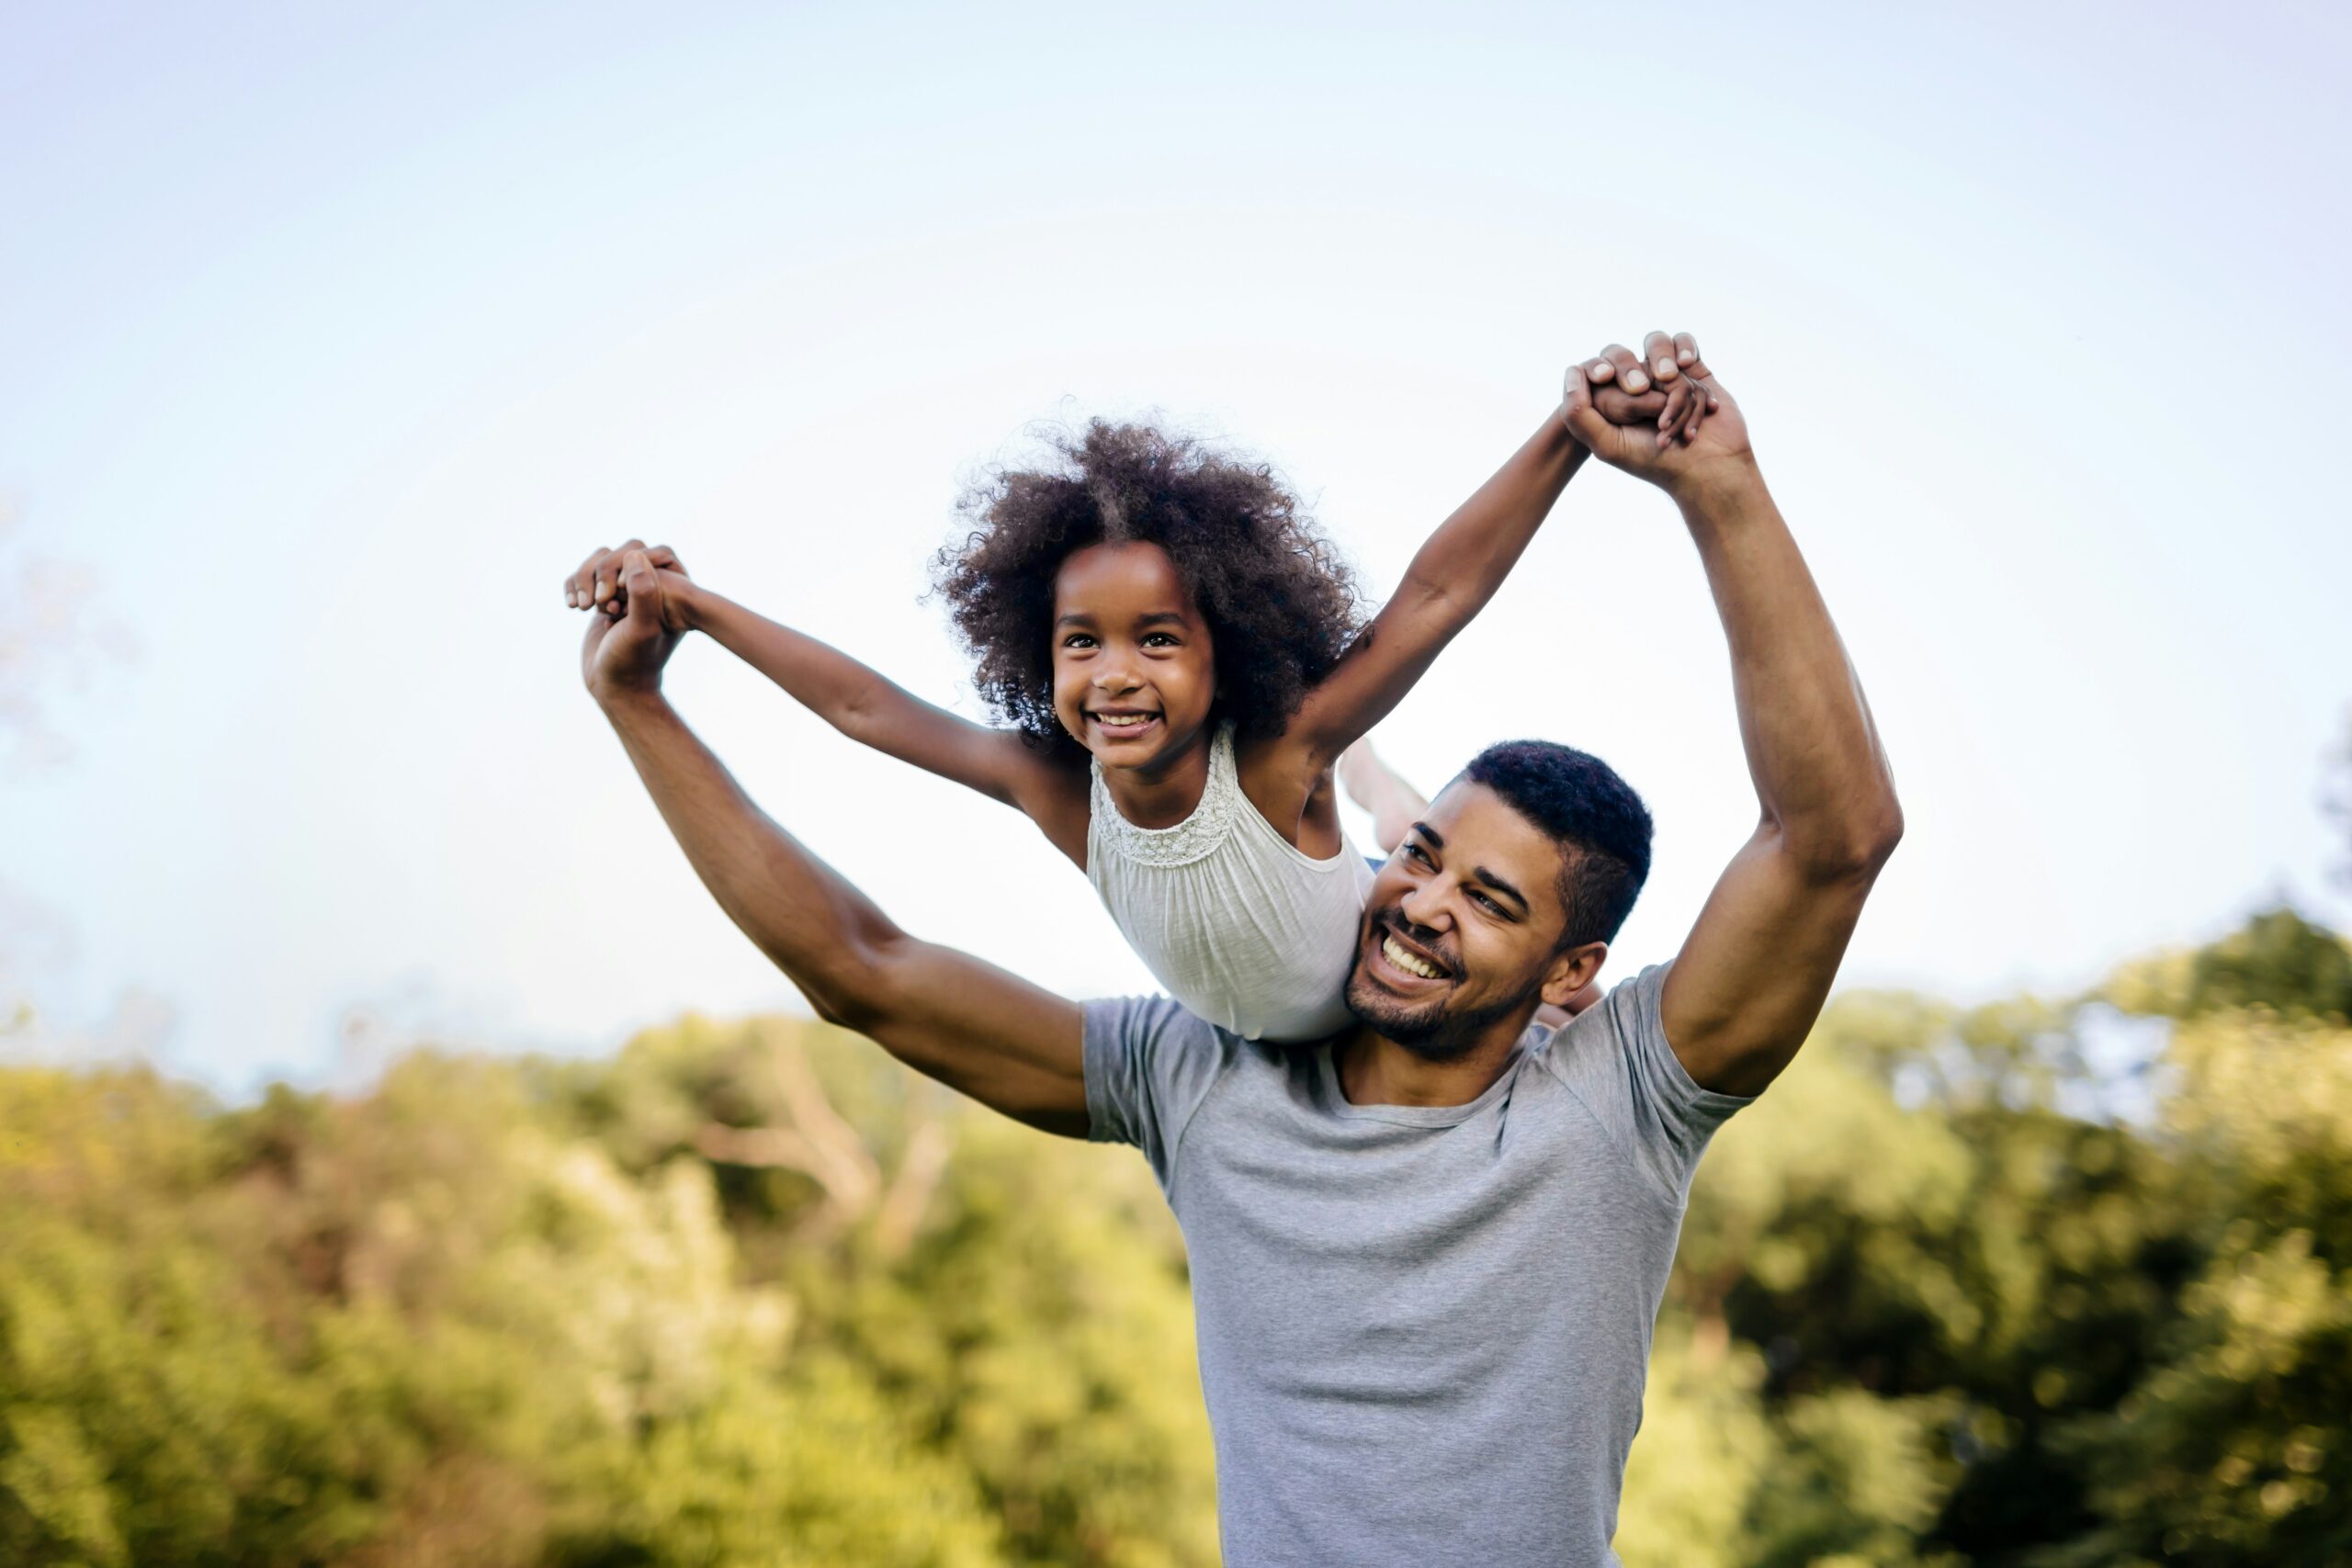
(1600, 825)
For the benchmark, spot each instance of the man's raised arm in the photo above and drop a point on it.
(946, 1014)
(1753, 975)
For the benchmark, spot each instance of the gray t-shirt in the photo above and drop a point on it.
(1423, 1331)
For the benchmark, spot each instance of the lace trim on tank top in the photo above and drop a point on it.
(1195, 837)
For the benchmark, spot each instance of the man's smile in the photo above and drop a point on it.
(1402, 964)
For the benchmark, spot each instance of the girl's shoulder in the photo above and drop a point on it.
(1054, 795)
(1292, 790)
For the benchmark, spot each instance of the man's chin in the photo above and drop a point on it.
(1420, 1027)
(1430, 1029)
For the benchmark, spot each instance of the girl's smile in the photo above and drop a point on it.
(1135, 669)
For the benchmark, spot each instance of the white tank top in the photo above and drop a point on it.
(1239, 925)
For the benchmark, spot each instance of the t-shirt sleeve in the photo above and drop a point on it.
(1616, 1057)
(1149, 1064)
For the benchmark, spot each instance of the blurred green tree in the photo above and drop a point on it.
(749, 1294)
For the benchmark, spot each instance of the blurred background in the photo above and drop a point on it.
(403, 1162)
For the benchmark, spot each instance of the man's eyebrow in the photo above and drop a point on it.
(1436, 839)
(1502, 887)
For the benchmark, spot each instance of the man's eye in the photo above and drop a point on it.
(1486, 903)
(1418, 853)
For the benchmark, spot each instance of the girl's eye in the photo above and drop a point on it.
(1078, 639)
(1159, 640)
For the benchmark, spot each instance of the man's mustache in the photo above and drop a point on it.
(1422, 937)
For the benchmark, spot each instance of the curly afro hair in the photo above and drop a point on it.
(1281, 604)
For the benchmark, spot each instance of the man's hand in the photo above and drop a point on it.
(1699, 433)
(629, 634)
(1642, 408)
(597, 584)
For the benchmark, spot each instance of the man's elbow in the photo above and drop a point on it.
(852, 989)
(1853, 848)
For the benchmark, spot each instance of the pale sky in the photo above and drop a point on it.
(330, 344)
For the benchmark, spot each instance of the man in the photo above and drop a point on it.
(1427, 1254)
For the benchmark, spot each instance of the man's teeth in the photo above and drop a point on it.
(1407, 962)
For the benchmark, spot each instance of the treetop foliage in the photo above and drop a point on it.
(747, 1293)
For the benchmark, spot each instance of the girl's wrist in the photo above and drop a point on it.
(694, 606)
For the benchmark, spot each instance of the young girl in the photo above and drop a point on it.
(1179, 659)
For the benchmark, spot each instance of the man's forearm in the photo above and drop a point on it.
(972, 1026)
(1811, 748)
(814, 925)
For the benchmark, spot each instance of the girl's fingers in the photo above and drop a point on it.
(1677, 405)
(1577, 411)
(583, 581)
(1577, 393)
(576, 586)
(1698, 415)
(1700, 401)
(1600, 371)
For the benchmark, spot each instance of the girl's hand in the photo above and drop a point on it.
(598, 584)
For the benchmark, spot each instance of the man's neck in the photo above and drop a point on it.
(1375, 1070)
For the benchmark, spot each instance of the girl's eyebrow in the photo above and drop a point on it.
(1153, 618)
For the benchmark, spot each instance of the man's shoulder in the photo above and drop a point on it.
(1597, 1040)
(1149, 1066)
(1151, 1022)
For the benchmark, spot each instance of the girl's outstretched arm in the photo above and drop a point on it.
(870, 708)
(1459, 570)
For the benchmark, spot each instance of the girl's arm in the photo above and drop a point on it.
(874, 711)
(1456, 572)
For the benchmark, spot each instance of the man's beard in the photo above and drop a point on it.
(1433, 1031)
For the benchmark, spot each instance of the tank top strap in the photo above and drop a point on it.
(1197, 836)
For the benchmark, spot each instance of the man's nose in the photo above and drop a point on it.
(1424, 906)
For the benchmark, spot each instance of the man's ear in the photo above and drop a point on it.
(1571, 970)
